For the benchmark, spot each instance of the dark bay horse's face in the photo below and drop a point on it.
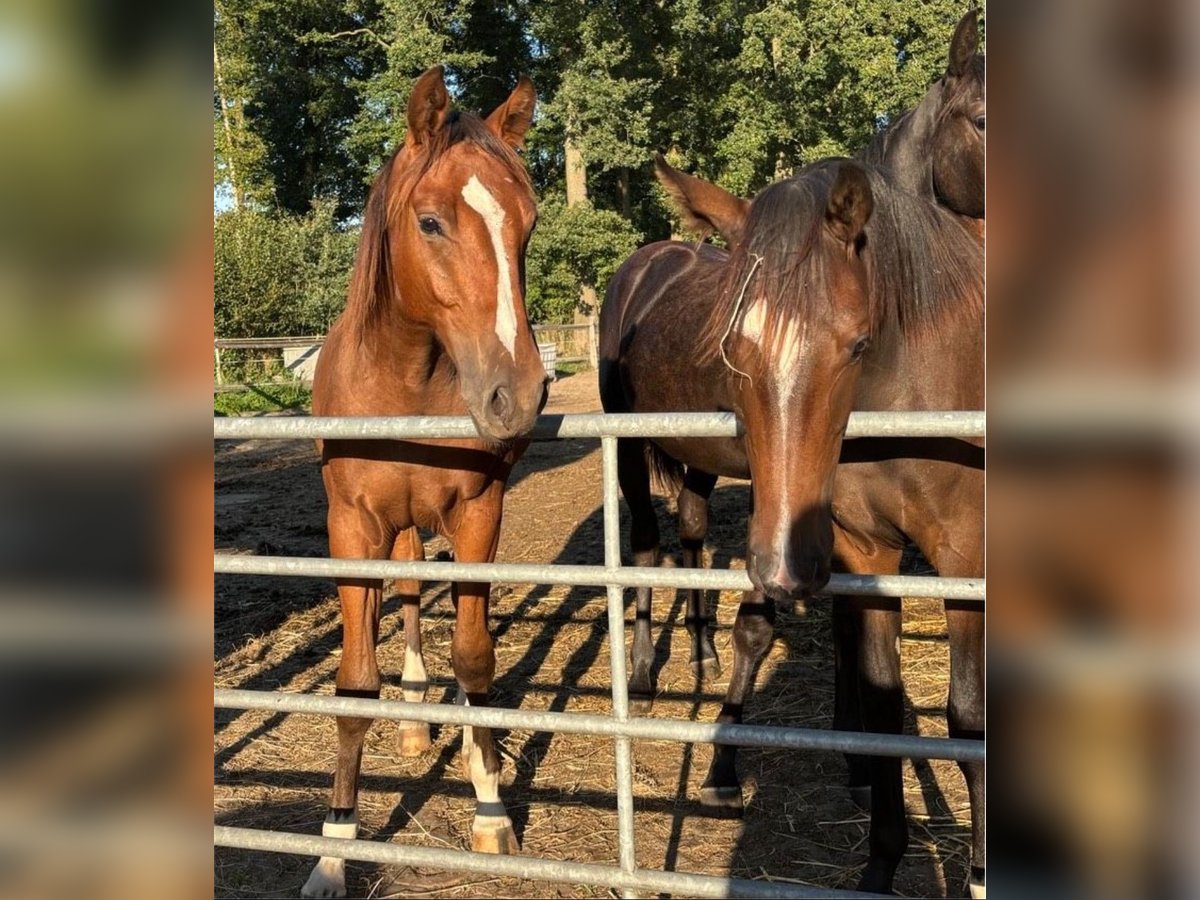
(958, 140)
(458, 247)
(799, 355)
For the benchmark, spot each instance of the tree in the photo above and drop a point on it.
(310, 95)
(293, 98)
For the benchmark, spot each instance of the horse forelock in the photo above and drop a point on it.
(372, 286)
(778, 269)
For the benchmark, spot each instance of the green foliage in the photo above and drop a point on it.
(572, 246)
(291, 99)
(264, 398)
(740, 92)
(279, 275)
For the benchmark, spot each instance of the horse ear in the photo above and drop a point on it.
(703, 207)
(964, 44)
(511, 119)
(850, 204)
(427, 107)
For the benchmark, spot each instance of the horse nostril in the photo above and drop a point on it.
(502, 403)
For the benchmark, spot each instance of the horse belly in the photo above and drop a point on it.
(716, 456)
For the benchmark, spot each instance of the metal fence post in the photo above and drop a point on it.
(217, 357)
(593, 333)
(616, 643)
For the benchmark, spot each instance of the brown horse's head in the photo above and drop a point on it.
(958, 135)
(792, 325)
(443, 249)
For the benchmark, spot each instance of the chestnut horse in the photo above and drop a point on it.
(792, 351)
(434, 324)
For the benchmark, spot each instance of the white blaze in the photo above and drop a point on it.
(481, 200)
(753, 321)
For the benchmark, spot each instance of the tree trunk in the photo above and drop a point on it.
(576, 173)
(623, 190)
(230, 149)
(577, 192)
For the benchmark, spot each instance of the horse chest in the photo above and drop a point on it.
(402, 484)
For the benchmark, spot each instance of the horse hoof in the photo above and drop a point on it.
(860, 795)
(706, 669)
(501, 840)
(722, 801)
(414, 741)
(977, 885)
(877, 878)
(328, 879)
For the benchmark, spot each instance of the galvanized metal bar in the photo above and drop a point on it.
(902, 745)
(677, 883)
(548, 427)
(616, 646)
(598, 576)
(583, 425)
(268, 343)
(577, 326)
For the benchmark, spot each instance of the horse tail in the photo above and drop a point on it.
(666, 471)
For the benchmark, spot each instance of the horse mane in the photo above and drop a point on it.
(922, 265)
(924, 268)
(371, 280)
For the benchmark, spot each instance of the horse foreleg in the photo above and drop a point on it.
(357, 676)
(693, 528)
(965, 718)
(956, 551)
(473, 656)
(753, 631)
(413, 737)
(867, 637)
(634, 476)
(882, 697)
(847, 711)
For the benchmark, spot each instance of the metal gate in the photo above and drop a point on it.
(618, 726)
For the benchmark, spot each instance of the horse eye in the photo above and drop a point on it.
(979, 121)
(859, 348)
(429, 225)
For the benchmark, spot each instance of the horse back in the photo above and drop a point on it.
(657, 274)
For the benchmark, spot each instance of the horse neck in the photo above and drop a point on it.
(399, 367)
(937, 368)
(905, 146)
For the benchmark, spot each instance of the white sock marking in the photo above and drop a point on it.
(414, 670)
(328, 877)
(347, 830)
(481, 200)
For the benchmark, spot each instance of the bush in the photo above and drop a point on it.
(573, 246)
(277, 275)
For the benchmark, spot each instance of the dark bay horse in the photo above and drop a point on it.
(680, 325)
(434, 324)
(689, 327)
(936, 151)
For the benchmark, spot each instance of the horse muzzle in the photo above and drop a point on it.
(507, 411)
(783, 579)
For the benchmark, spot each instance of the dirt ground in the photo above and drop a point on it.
(274, 771)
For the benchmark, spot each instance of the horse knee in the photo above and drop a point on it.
(474, 666)
(753, 633)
